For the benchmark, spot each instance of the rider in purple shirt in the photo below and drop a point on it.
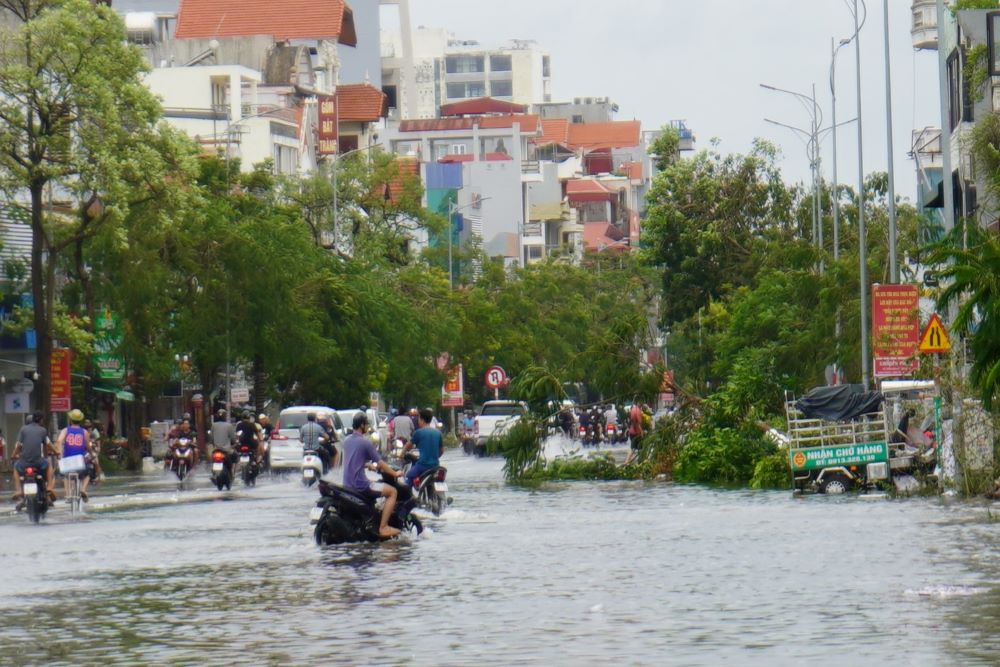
(358, 453)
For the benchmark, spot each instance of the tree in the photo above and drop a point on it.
(709, 220)
(78, 142)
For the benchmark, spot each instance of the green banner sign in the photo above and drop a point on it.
(817, 458)
(108, 363)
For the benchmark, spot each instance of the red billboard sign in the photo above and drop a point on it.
(453, 390)
(61, 389)
(895, 329)
(328, 131)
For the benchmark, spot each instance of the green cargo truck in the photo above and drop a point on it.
(841, 438)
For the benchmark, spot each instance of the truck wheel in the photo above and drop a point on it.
(835, 484)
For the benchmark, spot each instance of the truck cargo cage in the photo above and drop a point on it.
(805, 431)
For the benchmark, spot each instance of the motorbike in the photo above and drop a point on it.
(182, 457)
(312, 467)
(612, 433)
(584, 435)
(343, 516)
(249, 465)
(432, 491)
(222, 470)
(35, 498)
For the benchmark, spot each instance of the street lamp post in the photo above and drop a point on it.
(862, 235)
(893, 266)
(836, 181)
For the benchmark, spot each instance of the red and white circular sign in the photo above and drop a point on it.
(496, 377)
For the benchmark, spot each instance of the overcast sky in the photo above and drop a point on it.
(703, 61)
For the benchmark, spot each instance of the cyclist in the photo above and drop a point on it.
(75, 441)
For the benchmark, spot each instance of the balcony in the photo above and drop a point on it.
(923, 29)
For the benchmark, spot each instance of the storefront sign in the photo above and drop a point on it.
(328, 133)
(453, 390)
(895, 329)
(16, 403)
(107, 340)
(61, 390)
(817, 458)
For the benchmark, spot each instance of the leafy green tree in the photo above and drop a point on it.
(78, 139)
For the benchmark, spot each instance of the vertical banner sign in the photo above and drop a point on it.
(895, 329)
(453, 389)
(61, 389)
(107, 339)
(327, 125)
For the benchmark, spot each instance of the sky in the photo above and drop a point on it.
(704, 60)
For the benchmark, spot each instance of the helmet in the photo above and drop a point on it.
(394, 412)
(261, 416)
(75, 416)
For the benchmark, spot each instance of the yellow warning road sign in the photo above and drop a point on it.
(935, 338)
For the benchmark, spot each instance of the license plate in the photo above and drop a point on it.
(244, 459)
(315, 514)
(309, 473)
(216, 467)
(30, 489)
(440, 487)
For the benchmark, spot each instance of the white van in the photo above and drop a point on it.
(286, 443)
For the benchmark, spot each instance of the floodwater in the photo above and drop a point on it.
(566, 574)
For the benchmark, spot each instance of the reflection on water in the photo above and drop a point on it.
(574, 573)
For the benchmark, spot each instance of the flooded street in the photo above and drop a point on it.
(568, 574)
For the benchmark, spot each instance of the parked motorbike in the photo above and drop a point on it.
(312, 467)
(222, 470)
(342, 516)
(182, 458)
(35, 498)
(249, 465)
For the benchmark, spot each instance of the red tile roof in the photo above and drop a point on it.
(361, 102)
(590, 136)
(554, 131)
(586, 186)
(288, 19)
(529, 124)
(601, 235)
(409, 171)
(481, 106)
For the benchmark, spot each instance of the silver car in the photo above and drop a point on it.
(286, 442)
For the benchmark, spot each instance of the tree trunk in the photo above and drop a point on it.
(83, 275)
(40, 301)
(259, 383)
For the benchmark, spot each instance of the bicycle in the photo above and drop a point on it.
(74, 498)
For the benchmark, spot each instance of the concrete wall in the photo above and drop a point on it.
(502, 214)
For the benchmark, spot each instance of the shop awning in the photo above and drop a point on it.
(119, 393)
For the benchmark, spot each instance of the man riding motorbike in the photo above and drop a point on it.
(359, 452)
(183, 430)
(430, 444)
(402, 428)
(29, 451)
(246, 434)
(314, 437)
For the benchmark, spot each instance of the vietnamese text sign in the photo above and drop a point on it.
(453, 391)
(895, 329)
(107, 339)
(817, 458)
(328, 134)
(59, 398)
(240, 394)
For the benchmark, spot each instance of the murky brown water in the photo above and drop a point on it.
(570, 574)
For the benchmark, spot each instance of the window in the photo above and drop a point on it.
(546, 67)
(954, 91)
(993, 28)
(464, 64)
(577, 118)
(456, 90)
(502, 88)
(390, 94)
(348, 142)
(500, 64)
